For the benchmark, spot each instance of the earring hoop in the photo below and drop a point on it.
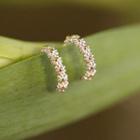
(60, 70)
(86, 52)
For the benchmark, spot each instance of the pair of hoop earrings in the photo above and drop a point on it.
(60, 69)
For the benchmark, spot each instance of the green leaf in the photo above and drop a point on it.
(13, 50)
(27, 108)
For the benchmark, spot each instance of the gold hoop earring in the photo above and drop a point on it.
(60, 70)
(86, 52)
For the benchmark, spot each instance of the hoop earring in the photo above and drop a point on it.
(86, 52)
(60, 70)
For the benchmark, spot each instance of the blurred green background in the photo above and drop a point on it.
(52, 20)
(49, 20)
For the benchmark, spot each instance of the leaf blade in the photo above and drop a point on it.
(36, 110)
